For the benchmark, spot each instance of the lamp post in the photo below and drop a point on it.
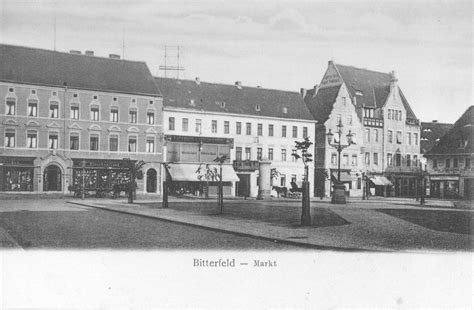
(423, 186)
(338, 196)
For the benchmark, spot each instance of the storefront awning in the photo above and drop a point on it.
(345, 176)
(189, 172)
(380, 181)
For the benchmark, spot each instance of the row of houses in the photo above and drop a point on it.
(69, 118)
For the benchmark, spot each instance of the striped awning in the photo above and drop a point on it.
(380, 181)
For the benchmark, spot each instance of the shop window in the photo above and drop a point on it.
(185, 124)
(114, 115)
(259, 153)
(214, 126)
(132, 144)
(226, 127)
(270, 130)
(132, 116)
(74, 141)
(305, 132)
(54, 110)
(238, 153)
(270, 153)
(74, 112)
(198, 125)
(94, 142)
(283, 131)
(95, 113)
(150, 145)
(248, 129)
(53, 141)
(31, 139)
(259, 129)
(11, 107)
(150, 118)
(171, 123)
(283, 154)
(113, 143)
(10, 138)
(295, 132)
(32, 108)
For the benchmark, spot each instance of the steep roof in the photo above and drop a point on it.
(431, 132)
(371, 87)
(462, 131)
(321, 105)
(210, 96)
(50, 68)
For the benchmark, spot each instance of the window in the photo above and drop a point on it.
(435, 163)
(448, 163)
(389, 159)
(354, 160)
(270, 153)
(468, 163)
(248, 128)
(305, 132)
(74, 141)
(31, 139)
(238, 128)
(409, 138)
(132, 116)
(285, 110)
(270, 130)
(259, 130)
(150, 118)
(257, 107)
(226, 127)
(238, 153)
(247, 153)
(282, 180)
(283, 154)
(150, 145)
(10, 138)
(389, 113)
(398, 159)
(349, 120)
(399, 137)
(415, 138)
(293, 158)
(415, 160)
(11, 107)
(53, 141)
(113, 143)
(32, 108)
(344, 101)
(214, 126)
(408, 160)
(295, 132)
(367, 135)
(74, 112)
(376, 158)
(376, 135)
(345, 159)
(334, 159)
(114, 115)
(94, 142)
(54, 110)
(132, 144)
(185, 124)
(198, 126)
(367, 158)
(390, 136)
(338, 118)
(259, 153)
(94, 113)
(293, 178)
(171, 123)
(283, 131)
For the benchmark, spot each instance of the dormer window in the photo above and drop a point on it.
(54, 94)
(223, 104)
(285, 110)
(114, 99)
(134, 100)
(95, 97)
(191, 102)
(368, 112)
(151, 101)
(257, 108)
(74, 95)
(11, 90)
(359, 93)
(33, 91)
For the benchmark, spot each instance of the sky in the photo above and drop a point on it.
(274, 44)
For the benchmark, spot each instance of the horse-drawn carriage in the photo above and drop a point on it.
(293, 192)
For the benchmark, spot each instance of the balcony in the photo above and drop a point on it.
(245, 165)
(373, 122)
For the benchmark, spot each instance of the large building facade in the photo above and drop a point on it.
(249, 124)
(450, 170)
(387, 133)
(65, 114)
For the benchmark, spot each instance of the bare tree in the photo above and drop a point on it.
(301, 151)
(209, 173)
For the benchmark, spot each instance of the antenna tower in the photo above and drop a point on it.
(174, 66)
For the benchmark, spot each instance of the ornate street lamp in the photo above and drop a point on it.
(338, 195)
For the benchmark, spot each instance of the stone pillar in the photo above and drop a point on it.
(264, 187)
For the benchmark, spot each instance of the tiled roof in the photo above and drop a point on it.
(431, 132)
(462, 130)
(51, 68)
(374, 86)
(321, 105)
(214, 97)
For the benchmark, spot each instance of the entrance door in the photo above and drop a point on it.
(52, 178)
(243, 186)
(151, 181)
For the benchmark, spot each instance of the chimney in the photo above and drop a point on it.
(330, 62)
(238, 84)
(75, 52)
(114, 56)
(316, 89)
(89, 53)
(393, 84)
(258, 86)
(303, 92)
(434, 121)
(198, 80)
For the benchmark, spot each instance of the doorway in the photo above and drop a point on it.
(151, 181)
(243, 186)
(52, 178)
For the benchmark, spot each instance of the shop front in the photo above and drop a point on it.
(379, 186)
(17, 174)
(444, 186)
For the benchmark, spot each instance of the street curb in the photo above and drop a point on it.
(283, 241)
